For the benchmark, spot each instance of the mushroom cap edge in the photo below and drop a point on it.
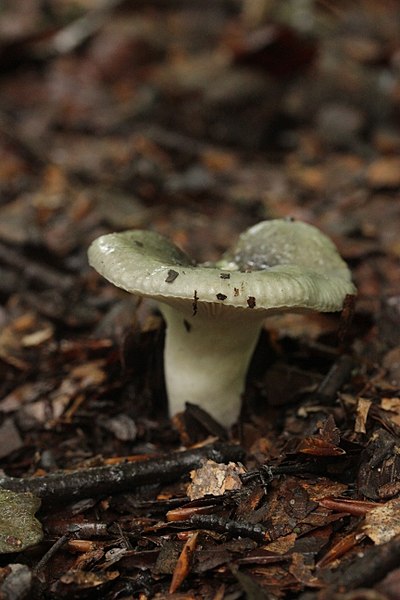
(148, 264)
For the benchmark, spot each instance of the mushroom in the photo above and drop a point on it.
(214, 312)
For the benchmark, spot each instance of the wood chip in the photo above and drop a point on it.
(214, 479)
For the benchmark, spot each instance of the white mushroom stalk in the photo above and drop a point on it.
(214, 313)
(206, 358)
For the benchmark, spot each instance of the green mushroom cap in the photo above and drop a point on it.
(275, 265)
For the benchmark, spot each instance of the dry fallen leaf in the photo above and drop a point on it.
(391, 404)
(10, 438)
(214, 479)
(325, 443)
(303, 571)
(183, 564)
(384, 172)
(383, 523)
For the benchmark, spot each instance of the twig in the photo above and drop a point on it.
(254, 531)
(266, 473)
(337, 375)
(346, 318)
(51, 552)
(111, 479)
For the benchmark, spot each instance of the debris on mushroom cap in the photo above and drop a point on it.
(275, 265)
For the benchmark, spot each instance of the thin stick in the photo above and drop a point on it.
(111, 479)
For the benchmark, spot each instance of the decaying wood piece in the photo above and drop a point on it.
(100, 481)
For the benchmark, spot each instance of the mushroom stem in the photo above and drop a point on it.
(206, 358)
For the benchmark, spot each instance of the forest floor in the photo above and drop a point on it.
(196, 120)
